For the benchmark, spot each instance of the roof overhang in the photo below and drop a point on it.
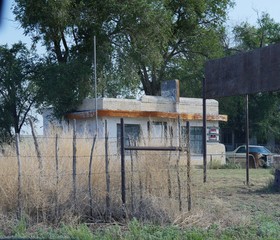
(144, 114)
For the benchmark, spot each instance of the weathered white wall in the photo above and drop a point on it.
(152, 103)
(216, 151)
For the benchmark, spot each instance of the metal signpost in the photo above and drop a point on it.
(243, 74)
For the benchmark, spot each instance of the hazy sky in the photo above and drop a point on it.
(244, 10)
(248, 10)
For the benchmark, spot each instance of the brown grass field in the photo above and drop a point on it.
(153, 186)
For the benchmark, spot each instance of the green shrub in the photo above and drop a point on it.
(20, 230)
(231, 165)
(81, 232)
(215, 164)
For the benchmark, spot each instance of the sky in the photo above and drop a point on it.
(244, 10)
(248, 10)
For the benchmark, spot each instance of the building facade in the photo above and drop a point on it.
(152, 120)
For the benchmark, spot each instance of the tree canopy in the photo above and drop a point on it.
(17, 88)
(139, 42)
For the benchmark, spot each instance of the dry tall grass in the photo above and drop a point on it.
(155, 184)
(47, 196)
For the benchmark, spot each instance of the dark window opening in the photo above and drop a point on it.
(196, 140)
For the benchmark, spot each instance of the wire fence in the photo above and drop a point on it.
(53, 177)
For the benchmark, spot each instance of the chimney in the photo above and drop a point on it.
(171, 89)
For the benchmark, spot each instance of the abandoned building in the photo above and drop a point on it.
(156, 119)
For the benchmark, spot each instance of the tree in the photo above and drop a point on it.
(250, 37)
(263, 107)
(187, 32)
(62, 86)
(140, 42)
(17, 89)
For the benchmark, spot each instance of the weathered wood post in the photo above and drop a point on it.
(169, 164)
(131, 142)
(38, 152)
(74, 165)
(107, 164)
(90, 176)
(277, 179)
(57, 176)
(178, 166)
(19, 212)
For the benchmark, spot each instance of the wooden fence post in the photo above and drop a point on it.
(74, 165)
(107, 164)
(189, 196)
(57, 176)
(178, 166)
(131, 142)
(19, 215)
(90, 176)
(39, 155)
(169, 187)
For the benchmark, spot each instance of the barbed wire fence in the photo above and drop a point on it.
(94, 179)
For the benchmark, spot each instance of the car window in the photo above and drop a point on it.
(241, 150)
(258, 150)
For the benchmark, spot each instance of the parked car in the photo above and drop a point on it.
(262, 156)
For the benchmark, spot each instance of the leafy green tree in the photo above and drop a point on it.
(249, 37)
(139, 42)
(17, 89)
(62, 86)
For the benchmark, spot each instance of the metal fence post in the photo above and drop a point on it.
(204, 131)
(189, 196)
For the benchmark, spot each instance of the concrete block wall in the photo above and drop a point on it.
(157, 103)
(194, 105)
(152, 103)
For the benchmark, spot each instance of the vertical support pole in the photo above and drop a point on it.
(131, 142)
(204, 131)
(247, 139)
(123, 165)
(57, 176)
(56, 159)
(74, 165)
(107, 162)
(189, 195)
(90, 176)
(178, 166)
(39, 155)
(19, 215)
(95, 84)
(169, 163)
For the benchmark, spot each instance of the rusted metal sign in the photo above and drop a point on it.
(247, 73)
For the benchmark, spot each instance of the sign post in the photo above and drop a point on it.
(242, 74)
